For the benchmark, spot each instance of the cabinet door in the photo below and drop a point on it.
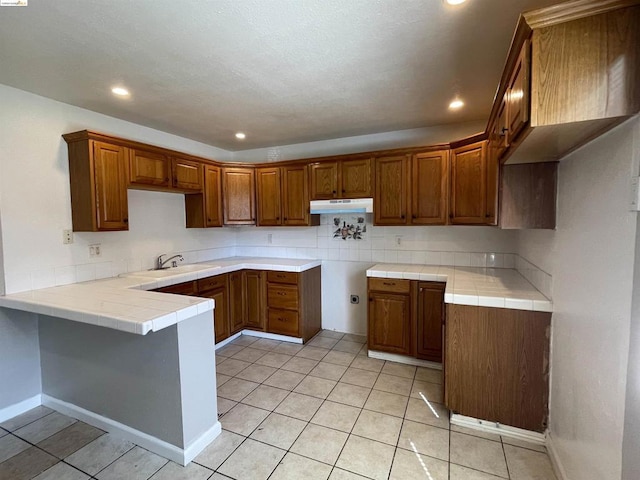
(295, 196)
(324, 180)
(390, 322)
(429, 180)
(499, 133)
(239, 196)
(187, 174)
(255, 297)
(518, 93)
(212, 196)
(268, 196)
(110, 186)
(390, 199)
(148, 168)
(430, 321)
(221, 312)
(468, 184)
(355, 177)
(236, 303)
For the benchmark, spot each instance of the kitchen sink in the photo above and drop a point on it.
(168, 272)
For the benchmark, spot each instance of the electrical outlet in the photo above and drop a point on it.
(269, 238)
(94, 250)
(67, 236)
(634, 199)
(355, 299)
(398, 240)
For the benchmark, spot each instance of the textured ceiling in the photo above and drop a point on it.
(283, 71)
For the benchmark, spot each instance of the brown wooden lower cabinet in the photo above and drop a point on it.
(294, 304)
(497, 364)
(406, 317)
(292, 307)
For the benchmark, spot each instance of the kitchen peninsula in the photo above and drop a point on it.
(137, 362)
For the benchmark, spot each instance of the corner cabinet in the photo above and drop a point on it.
(98, 180)
(205, 209)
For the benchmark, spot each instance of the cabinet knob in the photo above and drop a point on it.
(402, 217)
(451, 215)
(334, 192)
(285, 219)
(504, 131)
(125, 220)
(414, 216)
(344, 191)
(487, 215)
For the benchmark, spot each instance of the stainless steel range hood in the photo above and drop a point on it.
(352, 205)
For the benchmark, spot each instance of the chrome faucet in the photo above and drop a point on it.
(160, 264)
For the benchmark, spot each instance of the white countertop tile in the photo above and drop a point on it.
(485, 287)
(122, 303)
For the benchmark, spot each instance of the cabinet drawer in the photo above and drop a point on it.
(284, 322)
(282, 296)
(210, 283)
(186, 288)
(283, 277)
(389, 285)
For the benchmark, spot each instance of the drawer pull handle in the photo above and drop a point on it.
(390, 284)
(282, 294)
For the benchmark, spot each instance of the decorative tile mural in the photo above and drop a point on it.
(349, 227)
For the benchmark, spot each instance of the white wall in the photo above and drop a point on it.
(591, 259)
(631, 440)
(363, 143)
(345, 262)
(34, 197)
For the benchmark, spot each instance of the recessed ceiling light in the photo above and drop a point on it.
(454, 2)
(456, 104)
(121, 92)
(240, 136)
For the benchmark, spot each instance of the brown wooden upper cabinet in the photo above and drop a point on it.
(205, 209)
(148, 168)
(468, 200)
(239, 195)
(429, 188)
(412, 189)
(391, 197)
(283, 196)
(186, 174)
(341, 179)
(98, 180)
(518, 94)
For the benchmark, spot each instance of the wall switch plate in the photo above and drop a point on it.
(634, 199)
(94, 250)
(67, 236)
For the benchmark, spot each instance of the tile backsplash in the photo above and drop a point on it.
(536, 276)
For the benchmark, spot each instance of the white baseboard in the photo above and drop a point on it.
(153, 444)
(394, 357)
(227, 340)
(19, 408)
(558, 468)
(271, 336)
(498, 429)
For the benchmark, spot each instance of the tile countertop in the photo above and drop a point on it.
(122, 303)
(484, 287)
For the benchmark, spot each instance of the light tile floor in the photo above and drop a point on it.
(320, 411)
